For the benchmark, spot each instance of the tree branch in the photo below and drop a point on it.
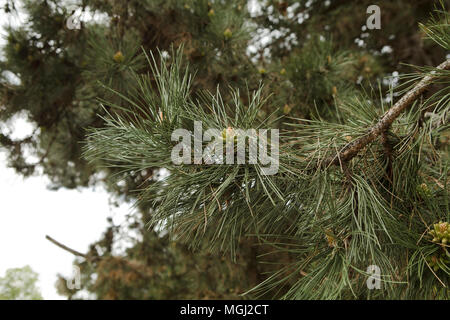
(74, 252)
(352, 149)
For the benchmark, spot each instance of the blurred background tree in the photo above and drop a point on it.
(20, 284)
(312, 56)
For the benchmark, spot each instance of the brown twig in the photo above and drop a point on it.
(72, 251)
(352, 149)
(135, 265)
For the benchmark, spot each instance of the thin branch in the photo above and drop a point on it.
(352, 149)
(72, 251)
(135, 265)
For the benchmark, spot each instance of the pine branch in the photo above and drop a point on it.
(352, 149)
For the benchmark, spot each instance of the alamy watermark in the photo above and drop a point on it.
(374, 20)
(74, 282)
(227, 146)
(374, 281)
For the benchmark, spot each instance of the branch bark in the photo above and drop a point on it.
(352, 149)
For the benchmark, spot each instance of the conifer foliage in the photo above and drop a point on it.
(362, 180)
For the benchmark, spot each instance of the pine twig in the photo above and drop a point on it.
(352, 149)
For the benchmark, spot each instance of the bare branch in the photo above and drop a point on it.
(72, 251)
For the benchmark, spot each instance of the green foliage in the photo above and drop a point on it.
(206, 231)
(437, 29)
(19, 284)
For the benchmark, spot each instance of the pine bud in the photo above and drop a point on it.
(227, 33)
(286, 109)
(118, 57)
(334, 90)
(211, 13)
(438, 261)
(440, 233)
(283, 71)
(330, 239)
